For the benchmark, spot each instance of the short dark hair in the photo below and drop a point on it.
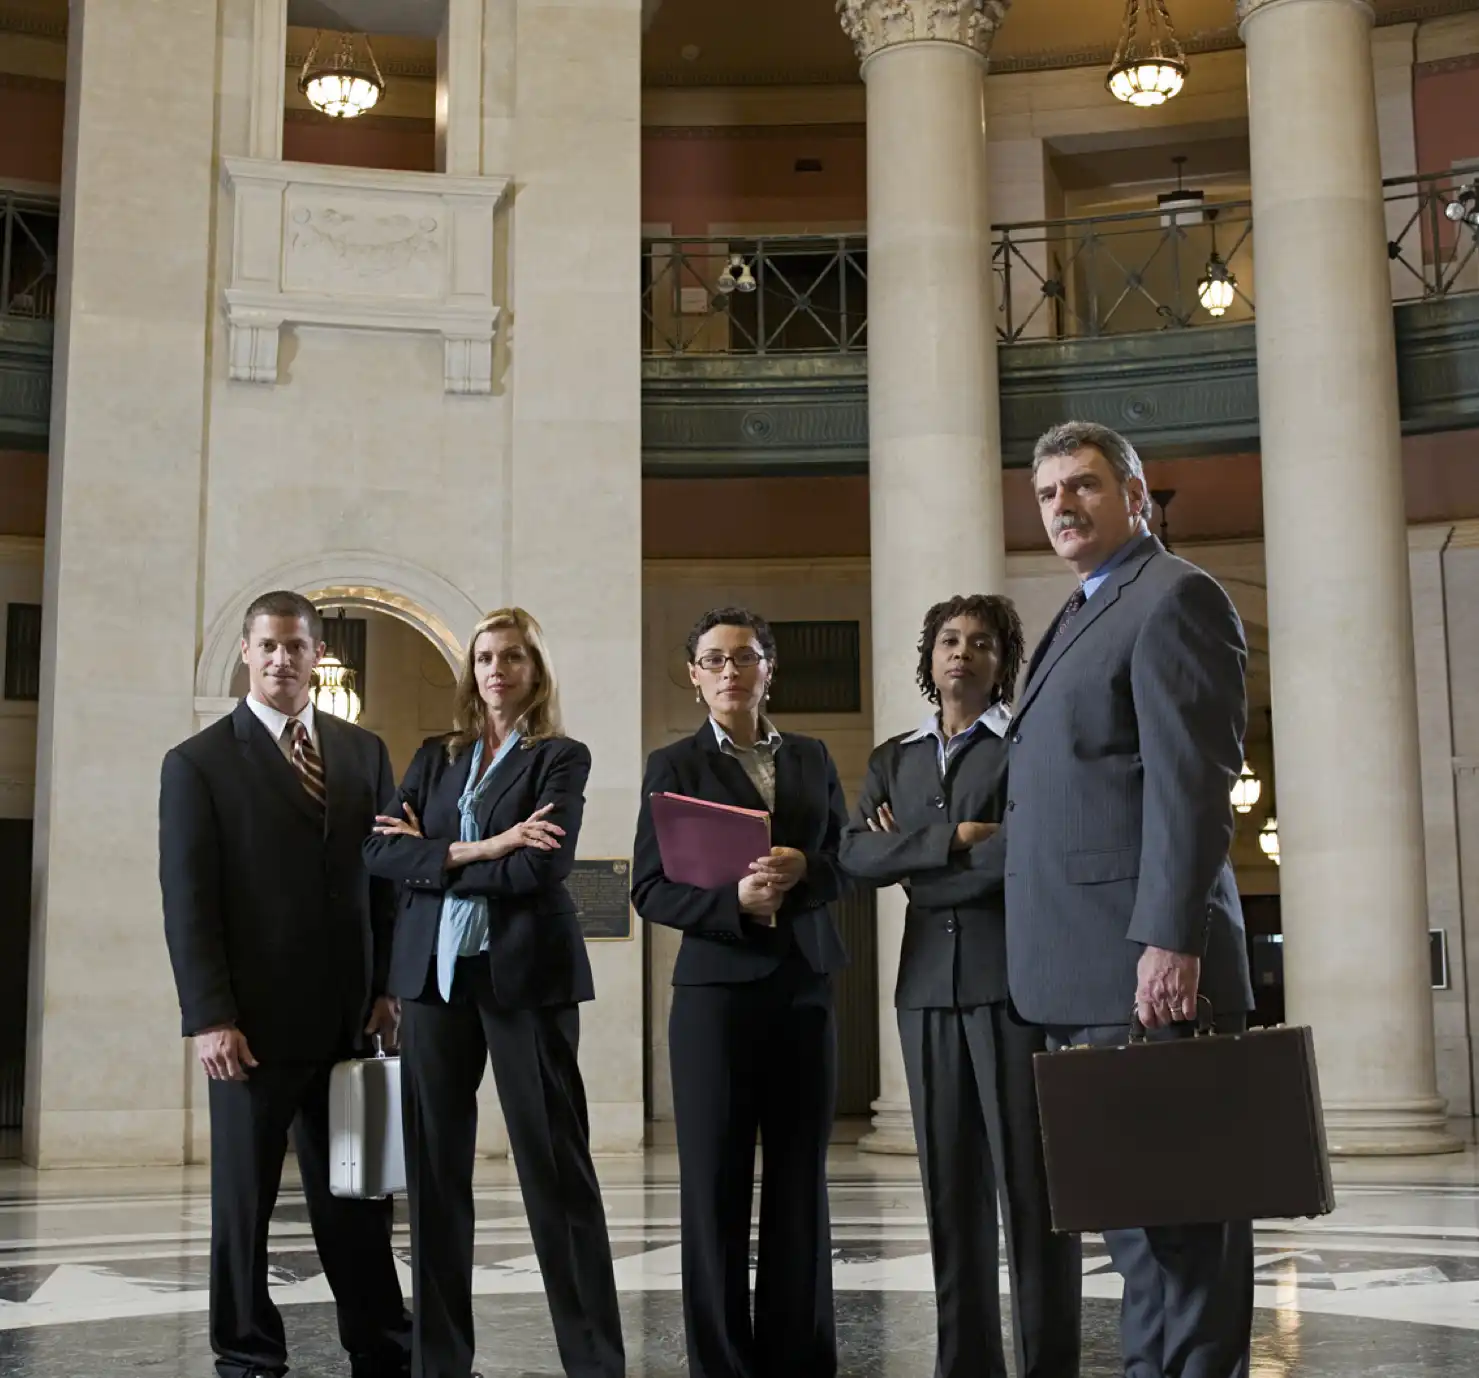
(996, 612)
(1069, 437)
(282, 603)
(732, 617)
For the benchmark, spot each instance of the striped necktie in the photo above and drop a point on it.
(308, 763)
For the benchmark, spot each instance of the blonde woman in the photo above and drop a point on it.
(488, 962)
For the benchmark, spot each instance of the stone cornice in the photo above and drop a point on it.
(1248, 8)
(874, 25)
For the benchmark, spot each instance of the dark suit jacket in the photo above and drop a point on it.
(720, 947)
(535, 949)
(954, 953)
(272, 921)
(1126, 743)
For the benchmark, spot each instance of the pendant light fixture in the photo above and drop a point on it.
(1149, 63)
(1218, 285)
(1268, 840)
(343, 83)
(1246, 789)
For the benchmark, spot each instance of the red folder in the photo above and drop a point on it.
(708, 845)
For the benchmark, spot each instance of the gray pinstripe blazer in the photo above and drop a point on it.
(1126, 742)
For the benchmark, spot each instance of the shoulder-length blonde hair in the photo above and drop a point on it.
(542, 718)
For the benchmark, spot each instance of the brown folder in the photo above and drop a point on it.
(1186, 1131)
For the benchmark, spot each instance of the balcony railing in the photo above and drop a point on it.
(28, 253)
(1079, 278)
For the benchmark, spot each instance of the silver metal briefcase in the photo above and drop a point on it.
(367, 1157)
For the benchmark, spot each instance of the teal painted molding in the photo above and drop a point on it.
(1175, 392)
(25, 383)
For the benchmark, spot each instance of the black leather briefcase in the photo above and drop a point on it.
(1184, 1131)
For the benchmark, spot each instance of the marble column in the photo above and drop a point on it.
(104, 1082)
(1340, 615)
(933, 416)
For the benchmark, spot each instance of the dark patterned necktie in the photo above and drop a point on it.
(308, 763)
(1071, 609)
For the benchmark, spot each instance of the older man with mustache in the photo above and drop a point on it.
(1120, 898)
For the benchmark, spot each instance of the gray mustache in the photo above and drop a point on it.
(1069, 521)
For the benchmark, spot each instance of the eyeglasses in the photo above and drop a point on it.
(715, 661)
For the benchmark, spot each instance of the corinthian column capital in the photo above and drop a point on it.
(877, 24)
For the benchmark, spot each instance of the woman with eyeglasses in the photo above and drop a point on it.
(752, 1036)
(489, 965)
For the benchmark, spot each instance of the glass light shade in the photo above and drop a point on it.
(1217, 288)
(1246, 789)
(344, 85)
(333, 689)
(1268, 840)
(1152, 81)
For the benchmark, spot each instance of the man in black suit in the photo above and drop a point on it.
(1120, 896)
(927, 819)
(279, 941)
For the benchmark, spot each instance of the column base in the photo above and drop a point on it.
(892, 1132)
(1394, 1130)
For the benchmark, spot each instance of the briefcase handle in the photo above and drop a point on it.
(1206, 1021)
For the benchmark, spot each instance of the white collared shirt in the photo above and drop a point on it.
(995, 719)
(758, 760)
(276, 722)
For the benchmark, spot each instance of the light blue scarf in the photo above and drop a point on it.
(464, 926)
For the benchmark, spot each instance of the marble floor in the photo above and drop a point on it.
(104, 1272)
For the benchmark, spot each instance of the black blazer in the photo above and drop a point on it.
(535, 949)
(954, 954)
(272, 921)
(719, 946)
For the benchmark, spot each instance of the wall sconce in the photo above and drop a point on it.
(732, 281)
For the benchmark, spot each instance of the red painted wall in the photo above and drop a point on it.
(401, 145)
(692, 179)
(31, 113)
(1445, 112)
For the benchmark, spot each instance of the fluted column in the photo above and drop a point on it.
(1340, 621)
(933, 416)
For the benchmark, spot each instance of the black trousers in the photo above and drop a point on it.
(444, 1049)
(249, 1137)
(974, 1102)
(1187, 1310)
(756, 1057)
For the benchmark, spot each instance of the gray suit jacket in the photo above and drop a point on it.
(1126, 743)
(954, 951)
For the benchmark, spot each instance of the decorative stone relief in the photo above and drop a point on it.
(1245, 8)
(876, 24)
(362, 250)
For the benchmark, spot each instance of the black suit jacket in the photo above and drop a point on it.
(272, 921)
(535, 949)
(1126, 743)
(954, 954)
(720, 947)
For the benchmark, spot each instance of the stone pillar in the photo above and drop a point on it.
(933, 416)
(1340, 615)
(103, 1077)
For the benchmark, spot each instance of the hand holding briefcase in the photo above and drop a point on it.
(1184, 1131)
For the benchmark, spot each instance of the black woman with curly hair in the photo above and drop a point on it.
(929, 819)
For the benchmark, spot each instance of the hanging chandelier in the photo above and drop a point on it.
(333, 689)
(1149, 63)
(1246, 789)
(1218, 286)
(345, 84)
(1268, 840)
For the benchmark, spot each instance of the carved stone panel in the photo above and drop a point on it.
(361, 249)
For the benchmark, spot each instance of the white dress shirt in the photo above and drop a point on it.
(276, 722)
(995, 719)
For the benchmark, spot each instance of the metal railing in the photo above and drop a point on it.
(1078, 278)
(28, 256)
